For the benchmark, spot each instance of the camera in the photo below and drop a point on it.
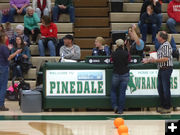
(128, 38)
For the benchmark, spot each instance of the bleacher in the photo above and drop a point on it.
(93, 18)
(130, 15)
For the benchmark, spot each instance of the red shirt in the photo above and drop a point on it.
(49, 31)
(174, 10)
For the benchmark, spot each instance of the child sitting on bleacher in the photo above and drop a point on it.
(42, 7)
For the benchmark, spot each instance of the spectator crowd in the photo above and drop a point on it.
(18, 40)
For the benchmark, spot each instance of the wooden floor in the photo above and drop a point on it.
(79, 127)
(14, 110)
(14, 122)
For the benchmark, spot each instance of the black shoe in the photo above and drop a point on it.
(115, 109)
(3, 108)
(119, 112)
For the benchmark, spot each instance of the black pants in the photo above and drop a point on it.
(164, 76)
(28, 32)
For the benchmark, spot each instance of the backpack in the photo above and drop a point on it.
(14, 94)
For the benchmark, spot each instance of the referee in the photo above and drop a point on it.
(165, 65)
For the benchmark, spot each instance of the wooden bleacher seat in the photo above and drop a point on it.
(62, 27)
(125, 26)
(88, 43)
(136, 7)
(92, 32)
(130, 17)
(90, 3)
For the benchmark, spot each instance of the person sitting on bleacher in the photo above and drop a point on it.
(134, 43)
(70, 50)
(9, 30)
(63, 6)
(0, 16)
(174, 15)
(17, 7)
(48, 36)
(173, 45)
(101, 49)
(20, 61)
(42, 7)
(2, 30)
(31, 21)
(149, 22)
(19, 31)
(157, 10)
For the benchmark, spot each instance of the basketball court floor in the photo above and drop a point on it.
(14, 122)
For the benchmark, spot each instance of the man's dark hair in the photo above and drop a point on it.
(163, 35)
(47, 19)
(70, 37)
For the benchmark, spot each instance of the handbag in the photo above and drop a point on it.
(46, 40)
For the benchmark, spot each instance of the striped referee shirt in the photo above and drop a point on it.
(165, 50)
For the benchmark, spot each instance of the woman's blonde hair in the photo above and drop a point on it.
(120, 42)
(137, 31)
(100, 40)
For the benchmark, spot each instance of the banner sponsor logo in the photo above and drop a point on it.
(75, 83)
(145, 82)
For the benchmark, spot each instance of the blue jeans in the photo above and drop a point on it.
(0, 16)
(12, 12)
(57, 11)
(118, 90)
(4, 71)
(17, 72)
(159, 21)
(171, 23)
(164, 87)
(152, 28)
(160, 17)
(51, 46)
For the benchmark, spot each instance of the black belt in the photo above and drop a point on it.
(165, 67)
